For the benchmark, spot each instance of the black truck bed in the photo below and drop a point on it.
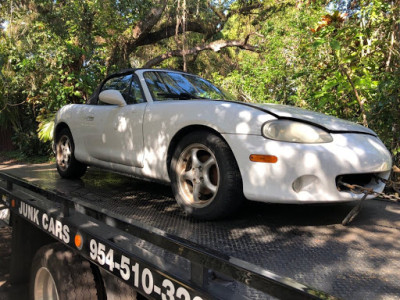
(306, 243)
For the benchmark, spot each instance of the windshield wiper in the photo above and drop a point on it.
(181, 96)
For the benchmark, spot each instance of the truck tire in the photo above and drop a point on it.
(67, 165)
(205, 178)
(116, 289)
(58, 273)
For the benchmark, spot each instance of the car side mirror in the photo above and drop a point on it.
(112, 97)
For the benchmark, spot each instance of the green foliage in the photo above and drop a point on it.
(325, 61)
(356, 74)
(24, 158)
(275, 73)
(46, 127)
(55, 52)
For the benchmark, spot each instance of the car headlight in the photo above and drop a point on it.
(295, 132)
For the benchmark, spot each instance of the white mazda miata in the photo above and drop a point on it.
(176, 127)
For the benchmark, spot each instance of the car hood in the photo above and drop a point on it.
(330, 123)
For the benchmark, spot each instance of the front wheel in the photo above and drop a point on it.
(205, 177)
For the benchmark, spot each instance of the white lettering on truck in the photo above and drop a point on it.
(56, 228)
(29, 212)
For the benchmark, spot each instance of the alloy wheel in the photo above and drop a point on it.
(64, 152)
(198, 175)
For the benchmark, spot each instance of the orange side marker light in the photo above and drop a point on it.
(13, 203)
(264, 158)
(78, 241)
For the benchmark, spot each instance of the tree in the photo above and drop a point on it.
(55, 52)
(194, 26)
(340, 57)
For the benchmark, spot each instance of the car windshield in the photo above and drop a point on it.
(164, 85)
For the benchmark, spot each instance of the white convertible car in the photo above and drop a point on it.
(178, 128)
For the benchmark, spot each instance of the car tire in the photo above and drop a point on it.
(205, 177)
(67, 165)
(59, 273)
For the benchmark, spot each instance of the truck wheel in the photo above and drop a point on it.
(116, 289)
(58, 273)
(67, 165)
(205, 177)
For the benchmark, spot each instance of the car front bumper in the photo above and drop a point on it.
(308, 173)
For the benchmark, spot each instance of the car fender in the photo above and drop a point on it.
(72, 115)
(164, 119)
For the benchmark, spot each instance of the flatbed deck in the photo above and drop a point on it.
(306, 243)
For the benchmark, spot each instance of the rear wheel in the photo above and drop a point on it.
(116, 289)
(67, 165)
(58, 273)
(205, 177)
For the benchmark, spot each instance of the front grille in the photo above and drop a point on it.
(365, 180)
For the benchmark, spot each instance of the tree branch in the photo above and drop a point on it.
(142, 34)
(145, 26)
(217, 12)
(359, 99)
(242, 10)
(168, 30)
(245, 10)
(121, 50)
(215, 46)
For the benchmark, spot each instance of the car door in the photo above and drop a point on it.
(117, 132)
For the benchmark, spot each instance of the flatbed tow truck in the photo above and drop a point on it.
(108, 236)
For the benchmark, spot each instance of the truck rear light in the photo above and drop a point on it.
(78, 241)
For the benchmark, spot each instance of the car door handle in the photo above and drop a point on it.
(89, 118)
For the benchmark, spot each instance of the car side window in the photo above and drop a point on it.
(128, 87)
(136, 91)
(121, 84)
